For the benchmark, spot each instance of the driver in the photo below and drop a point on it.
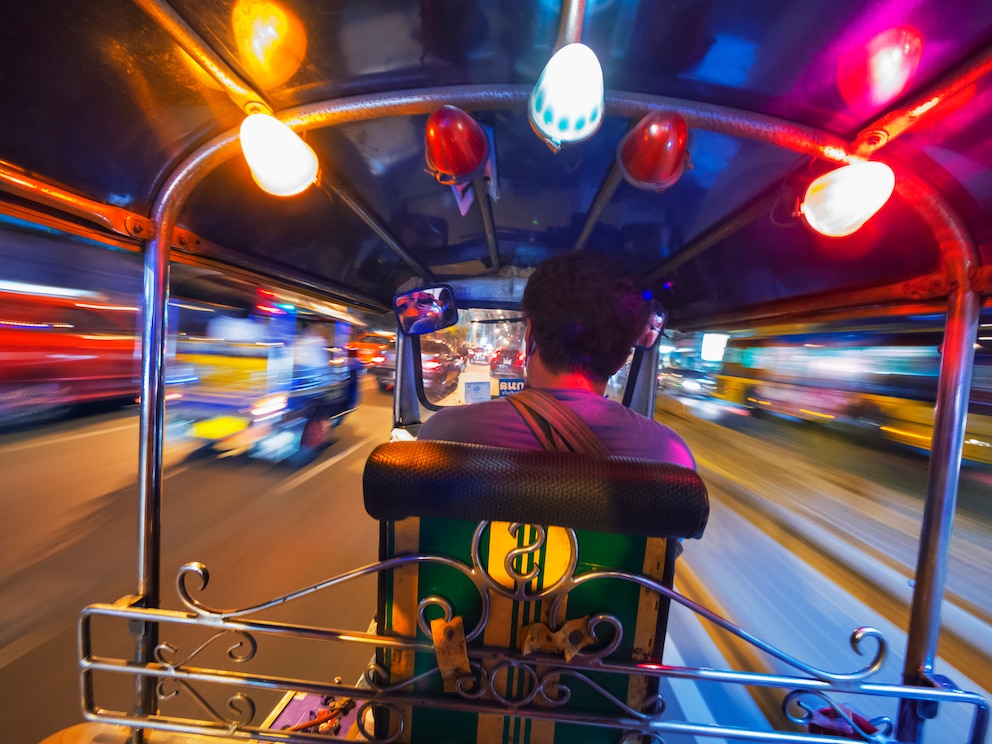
(419, 308)
(584, 312)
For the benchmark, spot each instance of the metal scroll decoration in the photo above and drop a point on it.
(558, 591)
(243, 649)
(549, 681)
(551, 688)
(200, 571)
(241, 707)
(880, 728)
(481, 576)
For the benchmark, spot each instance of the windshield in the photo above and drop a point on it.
(489, 359)
(479, 358)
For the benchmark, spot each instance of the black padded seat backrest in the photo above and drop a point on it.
(618, 495)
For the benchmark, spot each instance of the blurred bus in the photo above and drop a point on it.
(880, 380)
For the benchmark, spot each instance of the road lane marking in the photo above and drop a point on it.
(174, 471)
(689, 697)
(64, 438)
(288, 485)
(29, 642)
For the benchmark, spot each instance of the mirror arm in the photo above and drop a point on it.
(640, 392)
(406, 408)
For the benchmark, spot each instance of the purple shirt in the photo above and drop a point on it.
(497, 423)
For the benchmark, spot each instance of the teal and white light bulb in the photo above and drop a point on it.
(567, 103)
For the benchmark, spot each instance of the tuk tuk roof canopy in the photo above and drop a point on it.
(110, 102)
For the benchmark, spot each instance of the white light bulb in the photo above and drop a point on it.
(840, 202)
(281, 163)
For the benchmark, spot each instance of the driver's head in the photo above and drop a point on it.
(586, 311)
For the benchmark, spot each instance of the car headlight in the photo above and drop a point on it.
(268, 405)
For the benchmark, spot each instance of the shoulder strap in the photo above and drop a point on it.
(556, 426)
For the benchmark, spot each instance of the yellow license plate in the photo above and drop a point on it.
(219, 427)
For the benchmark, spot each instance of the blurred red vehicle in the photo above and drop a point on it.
(59, 351)
(371, 344)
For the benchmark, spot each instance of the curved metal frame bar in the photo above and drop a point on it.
(112, 218)
(240, 92)
(953, 390)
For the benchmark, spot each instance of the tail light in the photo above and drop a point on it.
(168, 396)
(430, 364)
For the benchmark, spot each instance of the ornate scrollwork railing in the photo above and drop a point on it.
(548, 679)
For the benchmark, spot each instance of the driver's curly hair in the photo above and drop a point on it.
(586, 312)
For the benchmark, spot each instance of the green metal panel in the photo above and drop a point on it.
(597, 551)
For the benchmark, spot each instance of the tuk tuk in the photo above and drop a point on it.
(758, 165)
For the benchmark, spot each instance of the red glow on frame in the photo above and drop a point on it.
(937, 108)
(652, 154)
(879, 72)
(455, 145)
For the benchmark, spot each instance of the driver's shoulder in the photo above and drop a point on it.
(462, 420)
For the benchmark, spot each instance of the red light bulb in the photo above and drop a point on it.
(455, 146)
(877, 73)
(652, 154)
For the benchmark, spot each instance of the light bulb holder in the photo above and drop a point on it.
(257, 107)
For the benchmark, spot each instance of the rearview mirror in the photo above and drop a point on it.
(653, 330)
(425, 310)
